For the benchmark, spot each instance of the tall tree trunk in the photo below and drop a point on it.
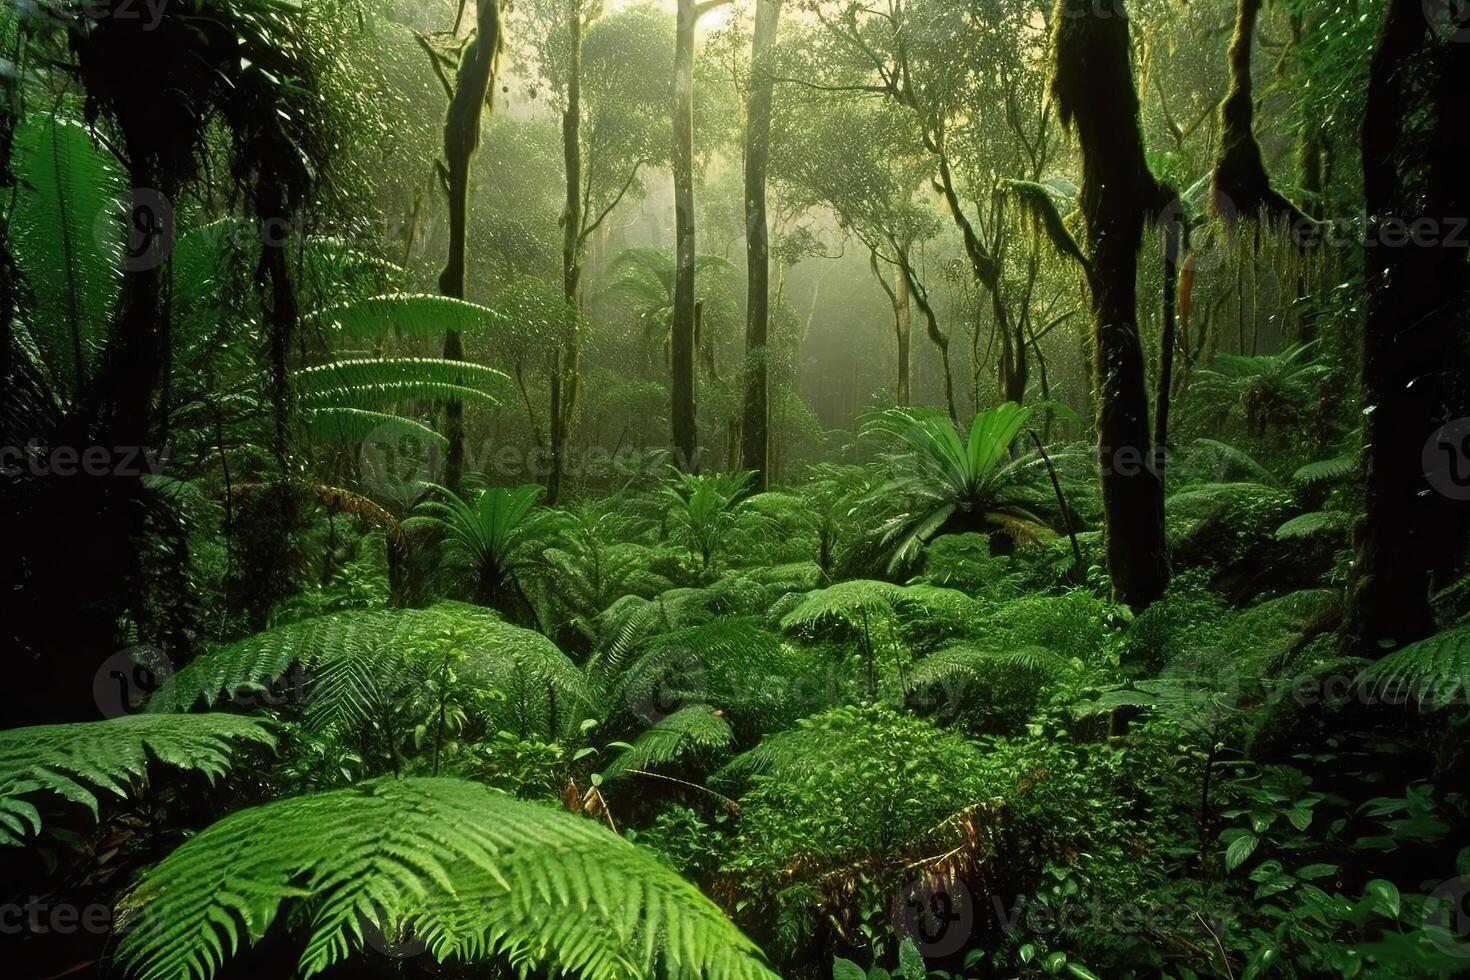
(1416, 139)
(686, 437)
(1096, 96)
(903, 325)
(1240, 187)
(566, 354)
(473, 87)
(898, 298)
(755, 448)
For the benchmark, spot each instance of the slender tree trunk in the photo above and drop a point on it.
(755, 438)
(473, 86)
(566, 354)
(1416, 139)
(903, 325)
(1095, 95)
(682, 412)
(898, 298)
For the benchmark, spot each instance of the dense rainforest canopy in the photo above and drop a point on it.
(735, 488)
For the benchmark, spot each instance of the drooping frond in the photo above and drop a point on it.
(1433, 672)
(848, 604)
(1326, 471)
(74, 761)
(692, 731)
(351, 661)
(403, 315)
(373, 383)
(345, 426)
(468, 871)
(1317, 524)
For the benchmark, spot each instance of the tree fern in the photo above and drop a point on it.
(732, 664)
(353, 662)
(403, 315)
(848, 605)
(74, 761)
(1432, 671)
(472, 873)
(692, 731)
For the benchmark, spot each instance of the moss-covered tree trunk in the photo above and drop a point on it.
(1096, 97)
(755, 429)
(473, 87)
(1416, 141)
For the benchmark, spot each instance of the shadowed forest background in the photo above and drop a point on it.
(735, 488)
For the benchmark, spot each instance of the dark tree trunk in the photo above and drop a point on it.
(473, 87)
(682, 412)
(1096, 96)
(1416, 139)
(755, 448)
(1240, 187)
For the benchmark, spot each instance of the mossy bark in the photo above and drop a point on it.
(1240, 188)
(1096, 96)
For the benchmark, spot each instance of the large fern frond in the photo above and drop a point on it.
(470, 872)
(347, 426)
(694, 730)
(67, 235)
(1434, 671)
(403, 315)
(379, 382)
(74, 761)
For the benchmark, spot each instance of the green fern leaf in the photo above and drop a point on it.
(468, 871)
(77, 760)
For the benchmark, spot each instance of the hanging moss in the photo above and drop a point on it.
(1240, 188)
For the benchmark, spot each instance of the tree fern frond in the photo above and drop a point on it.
(67, 234)
(347, 426)
(1326, 470)
(352, 661)
(846, 603)
(1435, 671)
(404, 314)
(372, 381)
(1317, 524)
(472, 873)
(693, 730)
(76, 760)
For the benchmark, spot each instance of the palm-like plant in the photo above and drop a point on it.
(704, 509)
(951, 484)
(1275, 389)
(490, 534)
